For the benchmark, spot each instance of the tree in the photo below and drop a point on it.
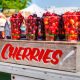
(0, 3)
(14, 4)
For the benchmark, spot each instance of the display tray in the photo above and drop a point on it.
(38, 41)
(59, 55)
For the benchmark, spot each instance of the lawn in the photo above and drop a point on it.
(5, 76)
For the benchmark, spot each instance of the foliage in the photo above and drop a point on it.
(14, 4)
(0, 3)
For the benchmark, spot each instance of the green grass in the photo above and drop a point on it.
(5, 76)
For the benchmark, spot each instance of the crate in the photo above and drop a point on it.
(69, 61)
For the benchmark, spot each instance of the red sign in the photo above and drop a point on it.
(36, 54)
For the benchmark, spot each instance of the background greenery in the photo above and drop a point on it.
(14, 4)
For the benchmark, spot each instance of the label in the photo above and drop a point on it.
(30, 54)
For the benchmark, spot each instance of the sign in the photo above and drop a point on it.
(36, 54)
(53, 55)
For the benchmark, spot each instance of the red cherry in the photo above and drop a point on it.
(19, 15)
(12, 20)
(67, 23)
(14, 37)
(71, 21)
(14, 16)
(30, 17)
(75, 18)
(53, 31)
(46, 22)
(51, 19)
(48, 14)
(30, 27)
(76, 24)
(56, 18)
(51, 28)
(46, 19)
(54, 24)
(67, 29)
(46, 26)
(16, 30)
(18, 37)
(72, 32)
(34, 31)
(57, 23)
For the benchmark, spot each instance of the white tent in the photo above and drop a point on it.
(34, 9)
(51, 9)
(62, 10)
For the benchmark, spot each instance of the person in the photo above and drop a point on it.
(23, 31)
(2, 26)
(7, 29)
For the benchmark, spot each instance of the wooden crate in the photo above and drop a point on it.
(69, 61)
